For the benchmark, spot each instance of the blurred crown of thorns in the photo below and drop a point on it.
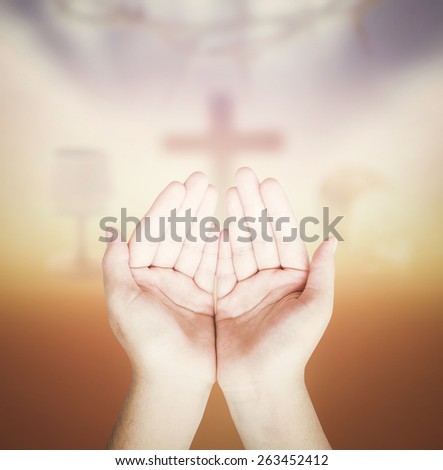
(238, 26)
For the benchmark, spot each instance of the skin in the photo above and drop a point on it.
(161, 309)
(272, 307)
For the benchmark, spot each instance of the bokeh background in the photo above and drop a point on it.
(104, 102)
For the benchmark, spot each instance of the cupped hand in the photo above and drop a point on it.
(273, 305)
(160, 293)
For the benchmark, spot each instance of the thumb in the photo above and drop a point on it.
(116, 271)
(320, 285)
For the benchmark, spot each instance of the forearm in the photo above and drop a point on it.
(276, 417)
(159, 416)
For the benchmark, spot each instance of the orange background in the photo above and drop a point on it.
(375, 378)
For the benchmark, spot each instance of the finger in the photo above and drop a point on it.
(319, 288)
(192, 250)
(115, 265)
(265, 249)
(291, 248)
(226, 278)
(243, 257)
(169, 249)
(205, 275)
(145, 239)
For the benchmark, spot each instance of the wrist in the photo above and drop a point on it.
(272, 386)
(152, 406)
(261, 396)
(276, 415)
(163, 384)
(170, 375)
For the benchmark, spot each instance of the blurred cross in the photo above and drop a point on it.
(222, 140)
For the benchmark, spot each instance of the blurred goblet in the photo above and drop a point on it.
(80, 189)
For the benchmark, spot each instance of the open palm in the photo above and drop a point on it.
(161, 293)
(269, 313)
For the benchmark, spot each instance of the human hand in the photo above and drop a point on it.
(272, 310)
(160, 302)
(259, 314)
